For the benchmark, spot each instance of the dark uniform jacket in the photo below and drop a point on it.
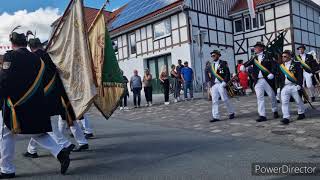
(223, 71)
(267, 63)
(21, 79)
(54, 89)
(312, 63)
(296, 69)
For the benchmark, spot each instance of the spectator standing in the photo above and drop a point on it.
(187, 78)
(208, 79)
(165, 83)
(243, 75)
(178, 70)
(123, 102)
(147, 83)
(136, 87)
(176, 84)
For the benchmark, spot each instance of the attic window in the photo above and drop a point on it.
(162, 29)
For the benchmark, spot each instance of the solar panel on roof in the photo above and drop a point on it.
(136, 9)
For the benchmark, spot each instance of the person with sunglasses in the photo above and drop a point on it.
(290, 81)
(220, 75)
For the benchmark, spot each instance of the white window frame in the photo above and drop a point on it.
(167, 30)
(264, 21)
(234, 25)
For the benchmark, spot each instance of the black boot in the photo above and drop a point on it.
(7, 176)
(275, 115)
(88, 136)
(261, 119)
(231, 116)
(285, 121)
(82, 148)
(215, 120)
(70, 148)
(64, 160)
(301, 116)
(313, 99)
(29, 155)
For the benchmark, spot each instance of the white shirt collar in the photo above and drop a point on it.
(289, 62)
(260, 54)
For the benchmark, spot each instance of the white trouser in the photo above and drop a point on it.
(55, 134)
(286, 93)
(8, 141)
(308, 83)
(75, 130)
(86, 124)
(278, 94)
(217, 91)
(261, 87)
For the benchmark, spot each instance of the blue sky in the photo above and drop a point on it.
(11, 6)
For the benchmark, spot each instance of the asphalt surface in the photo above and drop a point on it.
(126, 149)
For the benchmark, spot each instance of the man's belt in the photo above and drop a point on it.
(15, 126)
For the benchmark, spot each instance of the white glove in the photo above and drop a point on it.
(270, 76)
(242, 68)
(223, 84)
(298, 87)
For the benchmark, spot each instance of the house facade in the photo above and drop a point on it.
(157, 33)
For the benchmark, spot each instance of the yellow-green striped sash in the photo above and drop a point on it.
(304, 65)
(216, 75)
(261, 67)
(288, 73)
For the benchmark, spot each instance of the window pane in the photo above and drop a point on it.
(133, 48)
(162, 29)
(261, 20)
(254, 23)
(238, 25)
(248, 25)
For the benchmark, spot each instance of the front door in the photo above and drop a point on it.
(155, 65)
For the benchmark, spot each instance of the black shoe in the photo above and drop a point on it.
(313, 99)
(7, 176)
(285, 121)
(301, 116)
(82, 148)
(88, 136)
(214, 120)
(231, 116)
(278, 101)
(261, 119)
(276, 115)
(64, 160)
(70, 147)
(29, 155)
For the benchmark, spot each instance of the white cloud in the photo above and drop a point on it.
(316, 1)
(39, 21)
(115, 9)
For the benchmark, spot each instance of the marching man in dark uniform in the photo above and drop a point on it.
(56, 100)
(290, 80)
(220, 75)
(24, 109)
(263, 76)
(310, 66)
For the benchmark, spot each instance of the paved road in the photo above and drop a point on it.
(136, 149)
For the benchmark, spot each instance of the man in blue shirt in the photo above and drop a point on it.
(187, 78)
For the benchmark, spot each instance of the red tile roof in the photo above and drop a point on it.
(241, 5)
(91, 13)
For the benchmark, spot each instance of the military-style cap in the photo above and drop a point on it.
(260, 44)
(287, 52)
(301, 46)
(215, 52)
(34, 42)
(17, 38)
(186, 62)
